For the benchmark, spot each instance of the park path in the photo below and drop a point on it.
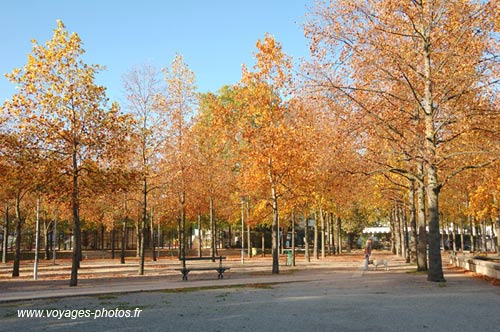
(110, 277)
(333, 294)
(107, 276)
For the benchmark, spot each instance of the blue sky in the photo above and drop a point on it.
(215, 37)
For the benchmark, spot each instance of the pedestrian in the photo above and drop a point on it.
(368, 253)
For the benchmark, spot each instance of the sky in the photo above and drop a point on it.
(215, 37)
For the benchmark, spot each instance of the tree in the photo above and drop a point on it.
(211, 137)
(264, 138)
(143, 89)
(442, 57)
(18, 182)
(62, 108)
(179, 102)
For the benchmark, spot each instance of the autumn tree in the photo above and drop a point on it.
(18, 181)
(264, 138)
(484, 205)
(143, 89)
(62, 108)
(179, 102)
(211, 139)
(441, 56)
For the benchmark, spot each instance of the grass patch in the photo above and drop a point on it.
(14, 305)
(263, 286)
(10, 314)
(198, 289)
(105, 303)
(286, 271)
(127, 306)
(107, 297)
(24, 304)
(417, 272)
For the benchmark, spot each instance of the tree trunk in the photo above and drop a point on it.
(179, 238)
(397, 231)
(75, 204)
(339, 235)
(473, 234)
(448, 237)
(328, 234)
(495, 225)
(138, 235)
(242, 231)
(442, 234)
(392, 228)
(435, 272)
(263, 244)
(102, 237)
(275, 231)
(496, 235)
(159, 239)
(462, 240)
(400, 216)
(54, 239)
(484, 244)
(332, 234)
(315, 247)
(322, 218)
(19, 225)
(435, 264)
(453, 237)
(199, 236)
(113, 244)
(153, 242)
(421, 221)
(406, 237)
(5, 243)
(46, 239)
(183, 224)
(306, 238)
(142, 228)
(413, 222)
(293, 238)
(37, 238)
(124, 243)
(213, 247)
(249, 245)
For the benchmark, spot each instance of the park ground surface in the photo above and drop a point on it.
(330, 294)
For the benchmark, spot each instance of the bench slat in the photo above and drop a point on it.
(203, 269)
(202, 258)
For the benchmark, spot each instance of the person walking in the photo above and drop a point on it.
(368, 253)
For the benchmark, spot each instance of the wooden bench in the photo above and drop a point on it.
(185, 270)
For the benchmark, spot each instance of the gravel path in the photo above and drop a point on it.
(323, 298)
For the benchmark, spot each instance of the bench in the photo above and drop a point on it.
(185, 270)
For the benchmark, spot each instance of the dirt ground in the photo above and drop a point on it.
(330, 294)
